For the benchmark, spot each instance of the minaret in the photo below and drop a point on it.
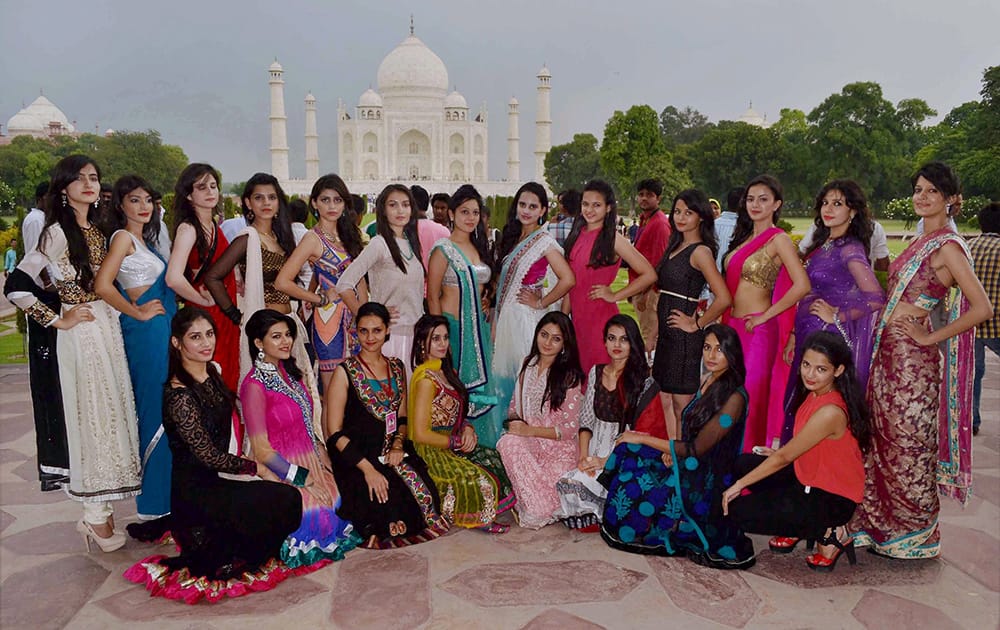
(543, 124)
(279, 132)
(312, 140)
(513, 143)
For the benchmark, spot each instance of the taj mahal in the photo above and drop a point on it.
(411, 129)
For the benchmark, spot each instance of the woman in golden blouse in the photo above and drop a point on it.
(766, 279)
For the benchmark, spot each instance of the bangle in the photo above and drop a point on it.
(539, 304)
(558, 432)
(323, 301)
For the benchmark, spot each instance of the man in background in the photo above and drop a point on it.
(651, 241)
(985, 250)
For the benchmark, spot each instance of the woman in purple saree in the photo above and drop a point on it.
(845, 296)
(921, 420)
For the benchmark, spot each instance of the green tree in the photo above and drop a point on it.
(858, 134)
(572, 164)
(797, 169)
(26, 161)
(633, 150)
(684, 126)
(733, 153)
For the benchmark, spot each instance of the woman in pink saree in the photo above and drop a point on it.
(921, 414)
(766, 279)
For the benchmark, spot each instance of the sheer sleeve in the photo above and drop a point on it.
(368, 258)
(253, 399)
(714, 430)
(20, 286)
(587, 417)
(186, 416)
(216, 275)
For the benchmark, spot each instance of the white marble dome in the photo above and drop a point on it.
(370, 98)
(37, 117)
(412, 66)
(455, 100)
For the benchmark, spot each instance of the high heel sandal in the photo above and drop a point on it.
(784, 544)
(819, 562)
(112, 543)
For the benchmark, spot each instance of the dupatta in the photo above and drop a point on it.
(954, 473)
(471, 349)
(518, 263)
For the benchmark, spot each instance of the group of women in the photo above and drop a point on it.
(496, 378)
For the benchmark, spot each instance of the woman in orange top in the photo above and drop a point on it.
(817, 495)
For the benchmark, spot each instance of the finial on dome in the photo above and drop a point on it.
(411, 24)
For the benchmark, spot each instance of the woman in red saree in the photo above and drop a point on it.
(766, 279)
(921, 414)
(198, 242)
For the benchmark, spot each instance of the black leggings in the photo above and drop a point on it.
(780, 505)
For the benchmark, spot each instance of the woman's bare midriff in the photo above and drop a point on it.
(750, 299)
(281, 308)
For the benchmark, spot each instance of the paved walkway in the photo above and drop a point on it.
(552, 578)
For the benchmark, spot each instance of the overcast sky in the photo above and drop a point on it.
(197, 70)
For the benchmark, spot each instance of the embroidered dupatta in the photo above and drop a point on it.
(518, 263)
(471, 346)
(954, 474)
(253, 301)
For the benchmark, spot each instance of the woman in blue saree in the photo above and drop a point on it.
(459, 274)
(132, 279)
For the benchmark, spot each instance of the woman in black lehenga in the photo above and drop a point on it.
(387, 492)
(229, 531)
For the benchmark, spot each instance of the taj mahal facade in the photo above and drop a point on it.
(410, 130)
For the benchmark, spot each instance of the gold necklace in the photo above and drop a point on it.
(332, 238)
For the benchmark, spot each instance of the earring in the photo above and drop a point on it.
(249, 216)
(64, 200)
(541, 220)
(260, 354)
(97, 204)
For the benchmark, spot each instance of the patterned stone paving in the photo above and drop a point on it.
(550, 578)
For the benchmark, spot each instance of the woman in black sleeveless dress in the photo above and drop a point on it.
(687, 265)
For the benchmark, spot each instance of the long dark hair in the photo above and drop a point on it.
(418, 354)
(347, 227)
(698, 201)
(701, 410)
(565, 372)
(183, 210)
(836, 350)
(512, 229)
(257, 327)
(603, 253)
(181, 323)
(409, 230)
(64, 173)
(861, 226)
(467, 192)
(117, 220)
(281, 226)
(633, 378)
(744, 224)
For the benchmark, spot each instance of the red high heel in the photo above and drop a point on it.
(784, 544)
(819, 562)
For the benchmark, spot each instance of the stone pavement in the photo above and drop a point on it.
(552, 578)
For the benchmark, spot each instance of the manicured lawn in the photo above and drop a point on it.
(12, 349)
